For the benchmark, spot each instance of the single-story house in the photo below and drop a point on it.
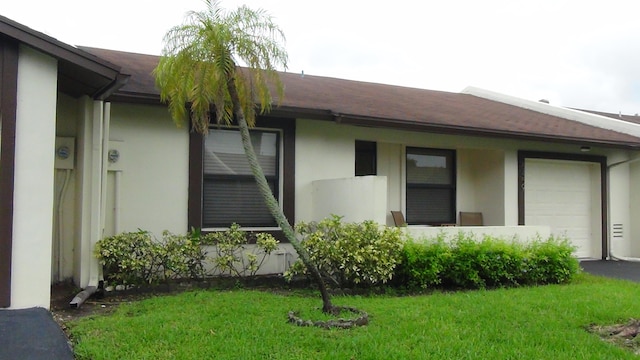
(88, 150)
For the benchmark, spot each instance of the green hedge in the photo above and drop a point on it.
(465, 262)
(350, 254)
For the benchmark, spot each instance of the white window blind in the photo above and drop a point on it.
(230, 193)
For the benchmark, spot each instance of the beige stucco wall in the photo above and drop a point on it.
(634, 209)
(153, 170)
(64, 219)
(154, 163)
(624, 209)
(487, 169)
(33, 181)
(487, 173)
(481, 179)
(355, 199)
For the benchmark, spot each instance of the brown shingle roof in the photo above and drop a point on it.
(371, 104)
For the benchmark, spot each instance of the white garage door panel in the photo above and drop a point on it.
(559, 194)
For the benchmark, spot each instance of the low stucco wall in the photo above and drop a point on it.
(277, 262)
(524, 233)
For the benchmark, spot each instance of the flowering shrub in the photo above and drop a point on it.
(232, 254)
(129, 258)
(135, 258)
(349, 254)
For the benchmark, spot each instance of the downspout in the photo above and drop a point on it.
(106, 121)
(611, 254)
(95, 229)
(100, 149)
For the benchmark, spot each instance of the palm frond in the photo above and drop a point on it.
(200, 57)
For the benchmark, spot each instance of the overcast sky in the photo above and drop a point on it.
(583, 54)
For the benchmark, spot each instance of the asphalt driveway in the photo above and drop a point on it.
(627, 270)
(32, 334)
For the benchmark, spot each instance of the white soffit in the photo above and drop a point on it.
(600, 121)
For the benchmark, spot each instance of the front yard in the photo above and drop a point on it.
(546, 322)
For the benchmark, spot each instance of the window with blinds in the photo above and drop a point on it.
(229, 190)
(431, 186)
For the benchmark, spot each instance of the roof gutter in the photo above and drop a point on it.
(113, 86)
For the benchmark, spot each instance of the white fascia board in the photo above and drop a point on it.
(599, 121)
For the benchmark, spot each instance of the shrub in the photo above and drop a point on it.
(128, 258)
(422, 264)
(181, 256)
(490, 262)
(136, 258)
(549, 262)
(349, 254)
(465, 262)
(233, 258)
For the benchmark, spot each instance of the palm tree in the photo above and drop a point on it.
(199, 67)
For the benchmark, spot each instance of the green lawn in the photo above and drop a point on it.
(546, 322)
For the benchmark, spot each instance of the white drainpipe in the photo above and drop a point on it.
(99, 150)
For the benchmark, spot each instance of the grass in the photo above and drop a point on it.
(546, 322)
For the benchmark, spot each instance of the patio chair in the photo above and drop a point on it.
(398, 218)
(471, 218)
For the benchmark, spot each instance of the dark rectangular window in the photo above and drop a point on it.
(366, 158)
(229, 190)
(431, 186)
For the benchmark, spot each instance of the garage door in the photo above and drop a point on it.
(561, 194)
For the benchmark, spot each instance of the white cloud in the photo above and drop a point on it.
(574, 53)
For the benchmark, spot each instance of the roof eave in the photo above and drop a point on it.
(57, 49)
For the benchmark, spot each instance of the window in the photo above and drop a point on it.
(214, 200)
(229, 190)
(365, 158)
(431, 186)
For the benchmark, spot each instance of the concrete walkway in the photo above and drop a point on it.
(32, 334)
(627, 270)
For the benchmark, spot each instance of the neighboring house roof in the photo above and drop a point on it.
(79, 72)
(630, 118)
(379, 105)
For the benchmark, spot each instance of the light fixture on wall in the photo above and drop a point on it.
(585, 148)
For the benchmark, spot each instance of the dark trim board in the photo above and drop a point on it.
(196, 142)
(8, 104)
(604, 198)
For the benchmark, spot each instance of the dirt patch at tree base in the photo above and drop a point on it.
(623, 335)
(361, 319)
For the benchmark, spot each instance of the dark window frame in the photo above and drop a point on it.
(450, 156)
(287, 127)
(370, 149)
(273, 180)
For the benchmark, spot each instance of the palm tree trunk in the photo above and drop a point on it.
(270, 200)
